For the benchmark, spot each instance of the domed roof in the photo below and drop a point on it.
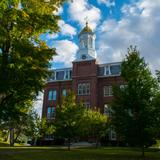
(86, 29)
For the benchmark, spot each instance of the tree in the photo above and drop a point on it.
(94, 124)
(14, 127)
(156, 104)
(133, 108)
(38, 129)
(24, 58)
(158, 75)
(69, 118)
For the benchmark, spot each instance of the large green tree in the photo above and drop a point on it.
(134, 112)
(69, 118)
(94, 125)
(24, 57)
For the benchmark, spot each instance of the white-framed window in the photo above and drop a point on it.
(107, 91)
(49, 137)
(52, 95)
(107, 110)
(50, 112)
(90, 42)
(67, 74)
(113, 136)
(83, 89)
(64, 92)
(81, 43)
(123, 86)
(86, 105)
(107, 70)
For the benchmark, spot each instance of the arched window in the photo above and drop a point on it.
(82, 43)
(83, 89)
(90, 42)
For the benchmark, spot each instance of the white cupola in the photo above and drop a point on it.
(86, 44)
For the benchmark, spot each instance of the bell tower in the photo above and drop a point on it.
(86, 45)
(84, 70)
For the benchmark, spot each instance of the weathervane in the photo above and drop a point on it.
(86, 19)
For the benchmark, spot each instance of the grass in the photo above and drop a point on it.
(6, 144)
(54, 153)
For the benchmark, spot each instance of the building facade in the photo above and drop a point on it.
(91, 82)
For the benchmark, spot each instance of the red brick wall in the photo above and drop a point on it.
(59, 86)
(83, 72)
(106, 81)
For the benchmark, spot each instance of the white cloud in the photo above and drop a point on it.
(108, 3)
(38, 103)
(67, 29)
(66, 51)
(48, 37)
(80, 9)
(138, 26)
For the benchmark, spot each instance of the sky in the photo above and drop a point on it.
(117, 25)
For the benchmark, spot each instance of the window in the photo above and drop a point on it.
(52, 95)
(64, 92)
(59, 75)
(70, 74)
(107, 110)
(107, 70)
(83, 89)
(115, 69)
(49, 137)
(82, 43)
(123, 87)
(86, 104)
(107, 91)
(112, 134)
(100, 71)
(67, 74)
(52, 77)
(90, 42)
(50, 112)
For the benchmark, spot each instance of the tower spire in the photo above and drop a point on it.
(86, 23)
(86, 19)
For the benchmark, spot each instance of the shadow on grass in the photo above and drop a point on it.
(59, 153)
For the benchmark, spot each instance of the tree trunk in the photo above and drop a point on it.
(143, 155)
(15, 139)
(97, 142)
(8, 136)
(69, 143)
(11, 138)
(35, 141)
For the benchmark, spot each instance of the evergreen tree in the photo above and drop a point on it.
(133, 110)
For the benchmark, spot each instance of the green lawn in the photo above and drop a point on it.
(46, 153)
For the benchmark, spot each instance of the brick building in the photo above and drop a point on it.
(92, 82)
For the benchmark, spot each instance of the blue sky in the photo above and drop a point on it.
(117, 25)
